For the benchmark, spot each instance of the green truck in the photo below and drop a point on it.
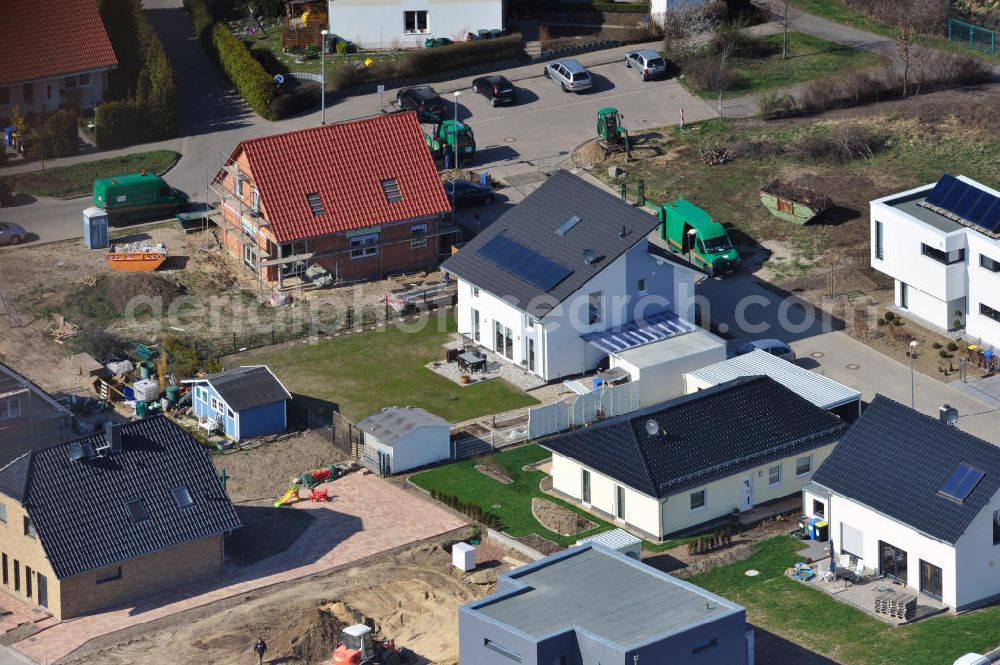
(444, 136)
(691, 231)
(135, 196)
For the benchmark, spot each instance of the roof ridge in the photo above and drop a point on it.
(323, 128)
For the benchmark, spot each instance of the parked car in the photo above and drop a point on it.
(497, 89)
(773, 346)
(468, 193)
(425, 101)
(649, 63)
(570, 75)
(12, 234)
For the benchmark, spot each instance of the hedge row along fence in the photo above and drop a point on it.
(145, 108)
(422, 62)
(467, 508)
(253, 83)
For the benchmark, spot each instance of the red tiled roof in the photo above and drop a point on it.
(345, 164)
(39, 40)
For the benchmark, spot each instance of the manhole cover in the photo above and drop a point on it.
(497, 505)
(816, 354)
(509, 139)
(752, 573)
(853, 366)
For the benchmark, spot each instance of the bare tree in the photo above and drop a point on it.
(723, 50)
(685, 30)
(785, 16)
(904, 48)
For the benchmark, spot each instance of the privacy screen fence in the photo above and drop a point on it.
(973, 36)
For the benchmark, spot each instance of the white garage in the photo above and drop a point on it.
(401, 438)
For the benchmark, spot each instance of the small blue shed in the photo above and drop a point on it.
(243, 403)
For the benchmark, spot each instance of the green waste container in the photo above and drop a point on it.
(174, 394)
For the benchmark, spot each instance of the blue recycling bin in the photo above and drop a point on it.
(484, 179)
(813, 530)
(8, 135)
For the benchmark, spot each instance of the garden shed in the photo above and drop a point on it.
(400, 438)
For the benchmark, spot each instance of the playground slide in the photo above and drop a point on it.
(290, 496)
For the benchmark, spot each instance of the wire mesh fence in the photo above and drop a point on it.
(973, 36)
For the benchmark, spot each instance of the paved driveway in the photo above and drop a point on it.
(366, 516)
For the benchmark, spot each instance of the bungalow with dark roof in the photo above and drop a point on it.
(914, 499)
(696, 459)
(111, 518)
(361, 199)
(52, 59)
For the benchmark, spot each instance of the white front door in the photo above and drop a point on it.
(746, 494)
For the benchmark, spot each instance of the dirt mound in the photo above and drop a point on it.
(303, 634)
(589, 153)
(120, 289)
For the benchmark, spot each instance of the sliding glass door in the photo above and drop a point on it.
(892, 561)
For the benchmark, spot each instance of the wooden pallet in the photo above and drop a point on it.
(897, 604)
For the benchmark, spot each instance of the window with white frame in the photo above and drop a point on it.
(418, 235)
(698, 500)
(364, 246)
(803, 465)
(594, 308)
(10, 408)
(216, 405)
(415, 21)
(774, 475)
(475, 291)
(201, 394)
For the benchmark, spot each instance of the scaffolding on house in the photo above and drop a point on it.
(242, 200)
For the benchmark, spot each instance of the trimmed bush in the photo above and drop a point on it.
(952, 346)
(463, 54)
(143, 81)
(774, 105)
(233, 57)
(706, 74)
(306, 97)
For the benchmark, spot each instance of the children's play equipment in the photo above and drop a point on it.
(291, 496)
(311, 479)
(320, 495)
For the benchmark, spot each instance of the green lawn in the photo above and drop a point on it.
(277, 60)
(362, 373)
(812, 618)
(809, 58)
(514, 500)
(511, 503)
(840, 12)
(79, 178)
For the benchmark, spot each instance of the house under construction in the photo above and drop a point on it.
(359, 199)
(30, 418)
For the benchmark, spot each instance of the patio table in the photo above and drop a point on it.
(472, 362)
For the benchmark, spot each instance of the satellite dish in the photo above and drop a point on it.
(948, 415)
(75, 452)
(652, 427)
(279, 79)
(589, 256)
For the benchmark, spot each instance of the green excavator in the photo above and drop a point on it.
(611, 131)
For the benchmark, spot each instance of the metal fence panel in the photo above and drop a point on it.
(973, 36)
(617, 400)
(548, 419)
(584, 410)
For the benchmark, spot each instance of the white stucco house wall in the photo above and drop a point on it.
(400, 438)
(658, 8)
(577, 262)
(694, 460)
(916, 500)
(941, 245)
(382, 24)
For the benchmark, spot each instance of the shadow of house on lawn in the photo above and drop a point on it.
(771, 649)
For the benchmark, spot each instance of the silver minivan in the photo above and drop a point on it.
(570, 75)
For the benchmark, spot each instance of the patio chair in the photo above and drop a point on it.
(859, 570)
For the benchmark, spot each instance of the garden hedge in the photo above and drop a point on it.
(142, 86)
(233, 57)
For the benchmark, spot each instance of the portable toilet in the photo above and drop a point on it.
(95, 228)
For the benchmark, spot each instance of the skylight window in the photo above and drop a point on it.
(962, 482)
(137, 510)
(315, 204)
(567, 225)
(391, 190)
(182, 497)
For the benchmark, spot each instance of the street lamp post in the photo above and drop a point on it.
(322, 65)
(454, 136)
(913, 398)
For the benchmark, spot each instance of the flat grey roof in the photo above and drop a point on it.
(821, 390)
(604, 593)
(911, 206)
(393, 423)
(671, 348)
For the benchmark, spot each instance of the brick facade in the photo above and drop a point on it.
(81, 594)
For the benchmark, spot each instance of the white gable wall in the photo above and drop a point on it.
(423, 445)
(380, 23)
(978, 559)
(876, 527)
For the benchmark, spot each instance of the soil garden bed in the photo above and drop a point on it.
(493, 473)
(539, 544)
(556, 518)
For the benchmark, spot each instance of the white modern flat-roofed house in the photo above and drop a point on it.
(941, 245)
(695, 459)
(407, 23)
(916, 500)
(550, 281)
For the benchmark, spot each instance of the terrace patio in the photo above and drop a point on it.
(495, 367)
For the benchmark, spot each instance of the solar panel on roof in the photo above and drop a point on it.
(523, 262)
(967, 201)
(962, 482)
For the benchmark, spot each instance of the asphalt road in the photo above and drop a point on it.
(540, 131)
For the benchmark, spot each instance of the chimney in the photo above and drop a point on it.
(113, 436)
